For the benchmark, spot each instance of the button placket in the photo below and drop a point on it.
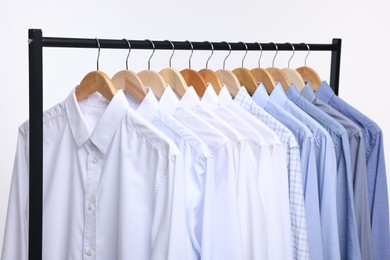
(92, 181)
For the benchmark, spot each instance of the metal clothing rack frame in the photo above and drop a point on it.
(36, 44)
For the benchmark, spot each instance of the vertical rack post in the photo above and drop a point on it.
(36, 143)
(335, 65)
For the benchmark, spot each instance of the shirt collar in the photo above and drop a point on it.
(105, 129)
(190, 99)
(325, 92)
(278, 95)
(149, 106)
(224, 96)
(169, 101)
(261, 96)
(292, 93)
(308, 93)
(210, 99)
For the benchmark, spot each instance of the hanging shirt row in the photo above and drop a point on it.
(286, 175)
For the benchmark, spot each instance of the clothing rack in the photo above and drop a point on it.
(36, 44)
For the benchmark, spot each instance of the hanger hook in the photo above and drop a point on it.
(128, 54)
(212, 52)
(154, 49)
(173, 52)
(276, 53)
(308, 51)
(293, 48)
(230, 51)
(192, 52)
(98, 56)
(246, 52)
(261, 53)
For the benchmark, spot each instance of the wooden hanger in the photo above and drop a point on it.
(193, 78)
(292, 75)
(263, 76)
(277, 74)
(173, 77)
(228, 78)
(245, 76)
(151, 78)
(129, 81)
(309, 74)
(209, 76)
(96, 81)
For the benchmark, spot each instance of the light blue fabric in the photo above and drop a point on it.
(359, 173)
(376, 170)
(348, 238)
(326, 168)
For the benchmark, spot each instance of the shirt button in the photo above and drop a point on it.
(94, 160)
(89, 252)
(90, 206)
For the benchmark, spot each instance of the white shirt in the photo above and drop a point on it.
(199, 177)
(273, 186)
(254, 157)
(229, 235)
(111, 190)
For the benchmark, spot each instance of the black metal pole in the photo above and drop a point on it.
(36, 144)
(335, 65)
(179, 45)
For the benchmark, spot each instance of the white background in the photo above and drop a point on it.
(363, 26)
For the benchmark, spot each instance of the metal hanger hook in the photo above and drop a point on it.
(212, 52)
(173, 52)
(230, 51)
(128, 54)
(154, 49)
(308, 51)
(293, 48)
(98, 56)
(276, 54)
(261, 54)
(192, 52)
(246, 52)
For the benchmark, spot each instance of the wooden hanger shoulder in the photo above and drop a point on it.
(294, 78)
(246, 79)
(310, 75)
(279, 76)
(175, 80)
(96, 81)
(153, 80)
(193, 78)
(230, 80)
(131, 83)
(211, 77)
(263, 76)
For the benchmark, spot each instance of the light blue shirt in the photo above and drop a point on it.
(326, 168)
(348, 237)
(376, 170)
(359, 174)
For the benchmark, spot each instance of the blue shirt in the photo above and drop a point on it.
(376, 170)
(326, 169)
(358, 167)
(348, 238)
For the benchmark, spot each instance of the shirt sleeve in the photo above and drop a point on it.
(360, 188)
(327, 177)
(169, 232)
(229, 237)
(15, 244)
(379, 196)
(273, 187)
(311, 194)
(251, 209)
